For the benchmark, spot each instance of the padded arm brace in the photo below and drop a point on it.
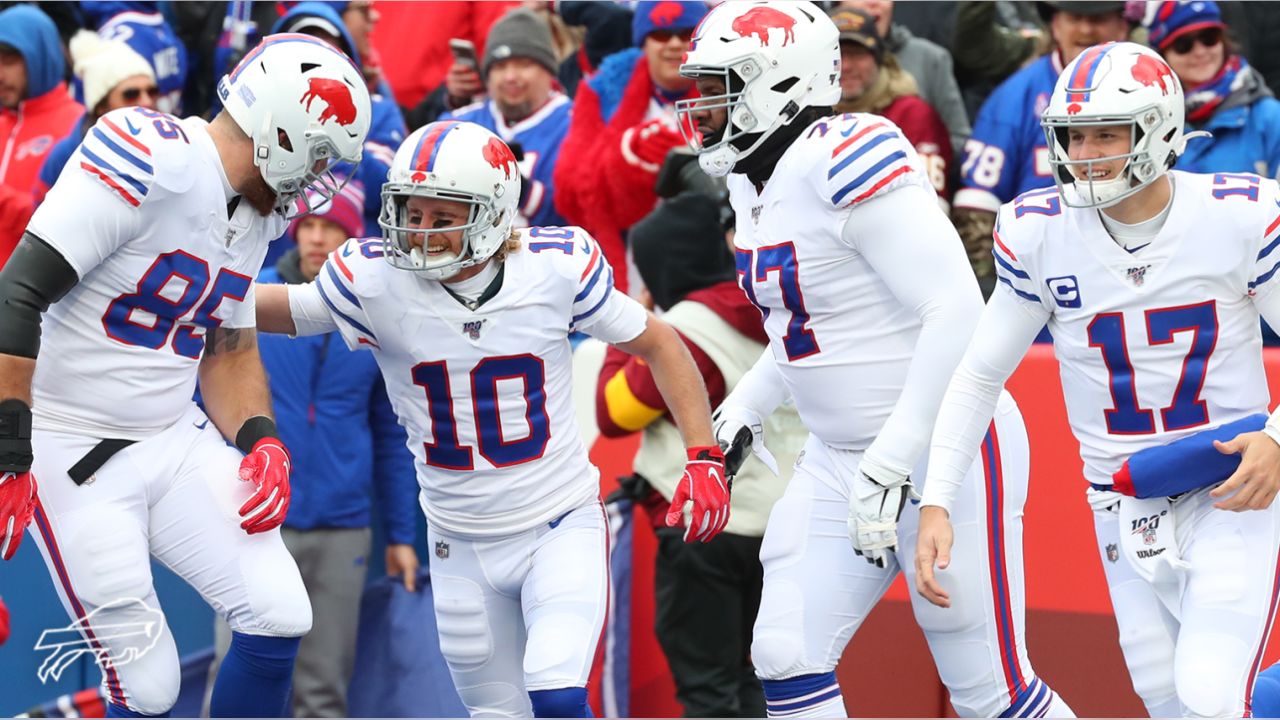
(35, 277)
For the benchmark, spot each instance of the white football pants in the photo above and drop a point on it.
(522, 612)
(1201, 658)
(817, 591)
(174, 497)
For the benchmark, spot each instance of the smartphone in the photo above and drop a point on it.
(464, 52)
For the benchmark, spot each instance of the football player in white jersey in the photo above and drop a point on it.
(1152, 282)
(868, 303)
(470, 322)
(141, 263)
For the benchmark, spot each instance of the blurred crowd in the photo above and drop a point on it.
(584, 94)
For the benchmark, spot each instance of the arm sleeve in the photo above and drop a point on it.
(941, 292)
(394, 479)
(761, 389)
(599, 309)
(244, 312)
(1006, 329)
(311, 316)
(1263, 282)
(336, 286)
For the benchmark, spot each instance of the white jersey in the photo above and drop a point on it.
(1160, 342)
(485, 394)
(140, 213)
(841, 339)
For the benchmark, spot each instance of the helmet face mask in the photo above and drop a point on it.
(1123, 85)
(457, 162)
(774, 58)
(398, 233)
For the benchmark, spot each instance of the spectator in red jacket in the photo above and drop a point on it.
(35, 112)
(872, 81)
(4, 622)
(623, 127)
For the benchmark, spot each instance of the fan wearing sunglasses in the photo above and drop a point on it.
(112, 76)
(1225, 95)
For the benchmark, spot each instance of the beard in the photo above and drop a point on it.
(515, 112)
(259, 195)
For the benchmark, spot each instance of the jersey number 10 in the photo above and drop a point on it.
(1186, 410)
(445, 450)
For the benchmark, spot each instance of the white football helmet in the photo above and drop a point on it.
(305, 106)
(450, 160)
(775, 58)
(1119, 83)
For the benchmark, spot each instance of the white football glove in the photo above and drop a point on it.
(738, 430)
(875, 504)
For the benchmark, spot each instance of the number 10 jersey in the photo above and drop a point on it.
(1160, 342)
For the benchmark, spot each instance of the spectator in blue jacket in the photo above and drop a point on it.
(523, 107)
(141, 25)
(1225, 95)
(1006, 155)
(386, 131)
(332, 410)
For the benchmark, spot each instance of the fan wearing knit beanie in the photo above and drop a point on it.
(112, 75)
(322, 231)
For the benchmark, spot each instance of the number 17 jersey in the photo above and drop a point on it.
(1160, 342)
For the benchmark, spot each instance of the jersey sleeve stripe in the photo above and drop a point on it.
(127, 137)
(343, 316)
(137, 162)
(111, 183)
(337, 283)
(1272, 245)
(1004, 248)
(856, 182)
(1009, 266)
(595, 256)
(862, 150)
(884, 181)
(586, 291)
(102, 165)
(346, 271)
(856, 137)
(1020, 293)
(1264, 276)
(604, 297)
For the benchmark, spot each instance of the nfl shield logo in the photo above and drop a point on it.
(472, 328)
(1137, 275)
(1113, 554)
(442, 549)
(1149, 534)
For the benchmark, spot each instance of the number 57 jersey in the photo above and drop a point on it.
(485, 394)
(140, 213)
(1160, 342)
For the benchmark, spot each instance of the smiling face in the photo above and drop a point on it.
(664, 50)
(434, 213)
(1196, 57)
(1094, 143)
(518, 86)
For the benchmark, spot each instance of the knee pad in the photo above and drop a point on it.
(560, 703)
(778, 645)
(277, 607)
(1208, 672)
(463, 623)
(152, 693)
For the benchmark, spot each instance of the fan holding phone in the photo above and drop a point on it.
(462, 82)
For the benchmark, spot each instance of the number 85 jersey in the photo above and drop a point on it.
(140, 213)
(1156, 343)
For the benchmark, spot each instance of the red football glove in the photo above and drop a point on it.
(705, 485)
(17, 505)
(266, 466)
(646, 145)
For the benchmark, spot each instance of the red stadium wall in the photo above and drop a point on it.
(886, 670)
